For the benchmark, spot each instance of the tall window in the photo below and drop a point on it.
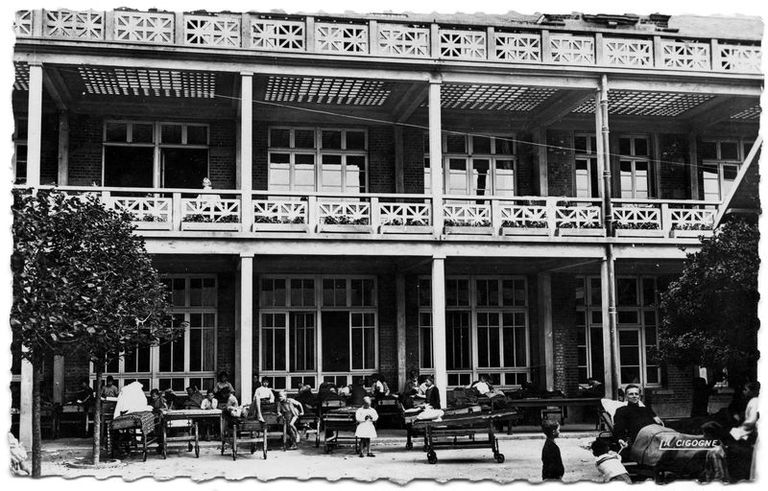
(586, 179)
(475, 165)
(317, 159)
(721, 161)
(486, 329)
(635, 167)
(190, 359)
(295, 310)
(20, 152)
(147, 154)
(636, 299)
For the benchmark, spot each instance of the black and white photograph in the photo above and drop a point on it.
(401, 242)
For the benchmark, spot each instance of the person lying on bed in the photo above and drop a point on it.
(633, 417)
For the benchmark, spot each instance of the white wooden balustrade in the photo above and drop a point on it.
(628, 52)
(403, 40)
(578, 216)
(463, 44)
(273, 211)
(278, 35)
(405, 214)
(467, 215)
(210, 208)
(144, 27)
(206, 30)
(22, 23)
(637, 217)
(341, 38)
(149, 212)
(344, 212)
(74, 25)
(518, 47)
(685, 55)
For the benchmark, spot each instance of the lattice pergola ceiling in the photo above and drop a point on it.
(21, 80)
(327, 90)
(749, 114)
(493, 97)
(637, 103)
(147, 82)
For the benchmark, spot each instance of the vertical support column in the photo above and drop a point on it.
(62, 177)
(693, 158)
(611, 385)
(603, 151)
(58, 379)
(436, 155)
(246, 150)
(544, 300)
(246, 329)
(540, 134)
(401, 327)
(397, 130)
(34, 123)
(438, 326)
(25, 403)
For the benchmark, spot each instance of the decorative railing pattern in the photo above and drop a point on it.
(738, 58)
(210, 208)
(344, 213)
(146, 209)
(579, 216)
(692, 219)
(74, 25)
(628, 52)
(341, 38)
(203, 30)
(266, 211)
(407, 214)
(400, 40)
(466, 45)
(637, 217)
(467, 215)
(524, 216)
(22, 23)
(395, 39)
(280, 35)
(518, 47)
(685, 55)
(144, 27)
(569, 49)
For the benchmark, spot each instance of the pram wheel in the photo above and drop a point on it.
(409, 445)
(499, 457)
(432, 457)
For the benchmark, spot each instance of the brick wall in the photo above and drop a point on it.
(85, 137)
(387, 302)
(526, 166)
(49, 151)
(674, 169)
(260, 167)
(221, 154)
(413, 160)
(564, 333)
(381, 159)
(560, 163)
(411, 323)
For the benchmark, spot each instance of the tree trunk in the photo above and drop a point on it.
(37, 456)
(97, 418)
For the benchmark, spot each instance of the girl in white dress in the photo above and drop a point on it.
(365, 416)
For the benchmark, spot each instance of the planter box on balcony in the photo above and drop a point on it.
(691, 234)
(581, 232)
(280, 227)
(346, 228)
(629, 232)
(406, 229)
(468, 230)
(224, 226)
(141, 225)
(524, 231)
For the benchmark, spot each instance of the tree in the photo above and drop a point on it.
(709, 315)
(83, 284)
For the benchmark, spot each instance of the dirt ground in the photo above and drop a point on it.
(392, 462)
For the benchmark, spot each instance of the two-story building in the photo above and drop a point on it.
(457, 194)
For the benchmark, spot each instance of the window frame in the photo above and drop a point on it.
(633, 159)
(721, 163)
(20, 141)
(590, 156)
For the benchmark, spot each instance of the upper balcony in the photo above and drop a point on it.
(187, 212)
(635, 44)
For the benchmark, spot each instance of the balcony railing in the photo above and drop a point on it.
(326, 214)
(344, 37)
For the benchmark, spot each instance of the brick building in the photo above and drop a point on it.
(578, 154)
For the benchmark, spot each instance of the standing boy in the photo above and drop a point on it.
(552, 463)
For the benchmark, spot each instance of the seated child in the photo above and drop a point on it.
(291, 409)
(209, 402)
(230, 405)
(263, 395)
(608, 462)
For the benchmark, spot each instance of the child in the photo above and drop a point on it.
(365, 416)
(263, 395)
(715, 463)
(209, 402)
(608, 462)
(552, 463)
(230, 403)
(291, 409)
(157, 401)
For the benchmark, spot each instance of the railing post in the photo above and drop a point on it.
(313, 214)
(546, 47)
(496, 216)
(246, 211)
(658, 52)
(176, 217)
(375, 213)
(551, 213)
(105, 199)
(666, 219)
(434, 41)
(373, 37)
(309, 25)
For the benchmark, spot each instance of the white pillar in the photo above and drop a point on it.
(34, 123)
(607, 341)
(438, 326)
(246, 149)
(401, 327)
(544, 298)
(246, 329)
(436, 155)
(25, 404)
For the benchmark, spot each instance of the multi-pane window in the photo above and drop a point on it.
(721, 161)
(317, 328)
(317, 159)
(635, 167)
(155, 154)
(475, 165)
(636, 299)
(20, 152)
(585, 164)
(486, 329)
(189, 359)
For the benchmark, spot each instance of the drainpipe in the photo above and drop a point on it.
(602, 107)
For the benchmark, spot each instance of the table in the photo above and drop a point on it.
(191, 417)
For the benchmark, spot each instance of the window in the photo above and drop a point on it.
(315, 159)
(475, 165)
(586, 178)
(636, 299)
(635, 167)
(190, 359)
(20, 152)
(721, 161)
(486, 329)
(147, 154)
(296, 310)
